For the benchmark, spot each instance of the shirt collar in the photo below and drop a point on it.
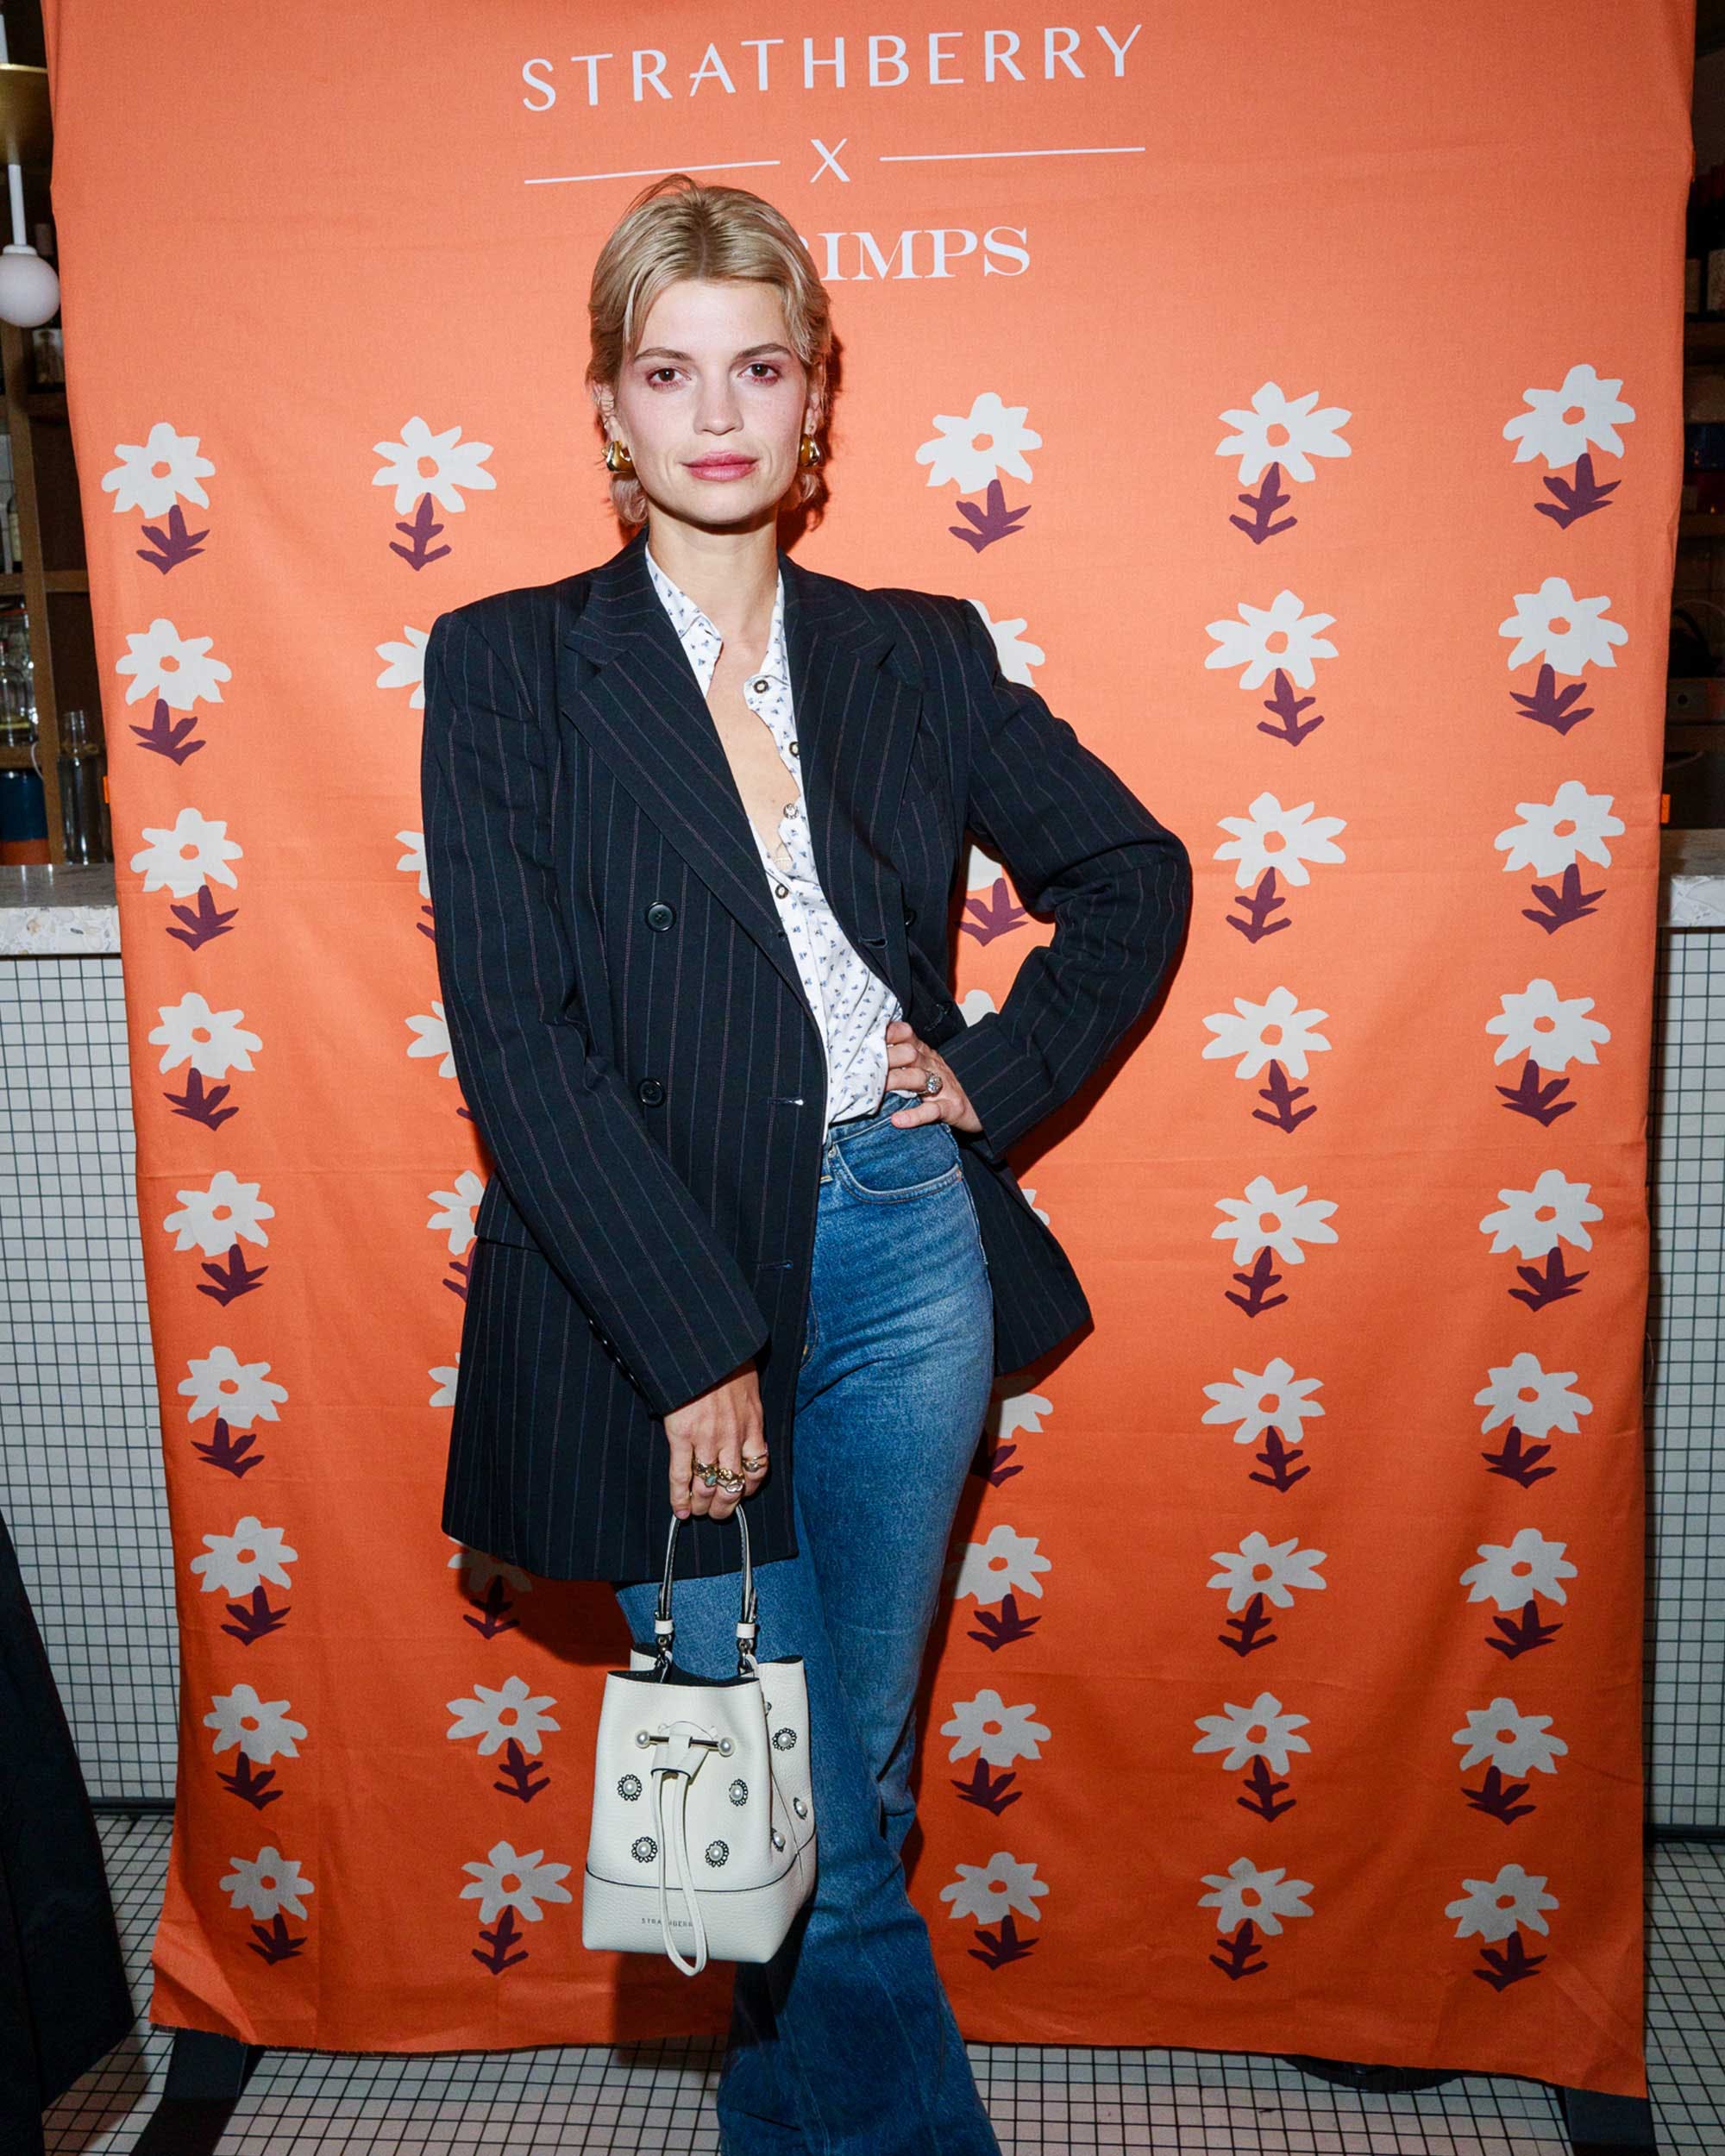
(693, 626)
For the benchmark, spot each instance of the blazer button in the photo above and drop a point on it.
(660, 915)
(651, 1091)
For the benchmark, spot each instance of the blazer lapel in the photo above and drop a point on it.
(625, 684)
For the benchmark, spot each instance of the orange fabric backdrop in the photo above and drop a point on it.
(1310, 438)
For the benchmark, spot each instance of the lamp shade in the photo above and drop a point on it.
(29, 287)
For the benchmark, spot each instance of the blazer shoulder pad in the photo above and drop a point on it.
(523, 617)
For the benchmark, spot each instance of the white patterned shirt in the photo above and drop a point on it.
(851, 1004)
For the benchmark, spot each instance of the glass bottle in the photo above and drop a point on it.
(83, 790)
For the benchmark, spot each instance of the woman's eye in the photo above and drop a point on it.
(766, 363)
(654, 371)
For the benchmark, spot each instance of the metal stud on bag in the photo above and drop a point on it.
(755, 1830)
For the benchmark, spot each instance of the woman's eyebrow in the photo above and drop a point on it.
(751, 352)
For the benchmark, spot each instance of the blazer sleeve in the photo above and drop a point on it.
(603, 1202)
(1079, 844)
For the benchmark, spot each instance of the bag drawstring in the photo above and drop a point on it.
(685, 1750)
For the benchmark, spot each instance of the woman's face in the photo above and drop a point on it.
(714, 402)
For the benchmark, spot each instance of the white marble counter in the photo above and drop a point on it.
(1692, 879)
(49, 912)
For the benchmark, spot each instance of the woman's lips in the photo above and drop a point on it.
(723, 468)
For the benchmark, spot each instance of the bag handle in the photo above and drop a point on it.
(664, 1626)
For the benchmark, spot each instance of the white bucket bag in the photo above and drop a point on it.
(703, 1811)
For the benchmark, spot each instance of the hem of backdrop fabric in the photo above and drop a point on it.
(646, 2005)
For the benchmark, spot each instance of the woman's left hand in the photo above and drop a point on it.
(909, 1060)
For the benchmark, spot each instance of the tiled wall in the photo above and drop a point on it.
(80, 1479)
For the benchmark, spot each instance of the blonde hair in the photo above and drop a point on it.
(677, 228)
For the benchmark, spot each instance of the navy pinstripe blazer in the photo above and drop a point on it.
(633, 1040)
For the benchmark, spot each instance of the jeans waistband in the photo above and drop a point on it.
(895, 1098)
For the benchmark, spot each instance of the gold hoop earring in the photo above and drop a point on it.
(616, 456)
(809, 452)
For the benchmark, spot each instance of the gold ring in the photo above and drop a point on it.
(751, 1462)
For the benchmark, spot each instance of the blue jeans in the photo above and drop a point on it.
(845, 2044)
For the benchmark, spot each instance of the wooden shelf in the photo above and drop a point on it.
(52, 581)
(26, 122)
(35, 418)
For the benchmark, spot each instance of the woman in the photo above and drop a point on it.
(693, 822)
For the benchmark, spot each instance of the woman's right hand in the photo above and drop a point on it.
(721, 1424)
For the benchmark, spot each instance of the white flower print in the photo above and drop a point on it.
(214, 1042)
(179, 669)
(260, 1728)
(154, 475)
(213, 1220)
(1001, 1734)
(454, 464)
(240, 1563)
(1258, 1402)
(981, 873)
(404, 665)
(455, 1209)
(1533, 1222)
(1244, 1891)
(1271, 836)
(482, 1569)
(1275, 1030)
(221, 1384)
(268, 1884)
(1572, 826)
(1282, 635)
(1539, 1023)
(194, 851)
(1493, 1908)
(431, 1037)
(1283, 430)
(1281, 1220)
(1564, 632)
(497, 1713)
(989, 439)
(412, 862)
(1562, 423)
(1537, 1400)
(1511, 1574)
(985, 1892)
(1005, 1563)
(1017, 656)
(443, 1377)
(506, 1880)
(1514, 1742)
(1262, 1731)
(1272, 1569)
(1021, 1415)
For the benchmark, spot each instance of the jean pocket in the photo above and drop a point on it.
(894, 1163)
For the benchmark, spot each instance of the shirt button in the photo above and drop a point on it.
(779, 889)
(761, 686)
(795, 750)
